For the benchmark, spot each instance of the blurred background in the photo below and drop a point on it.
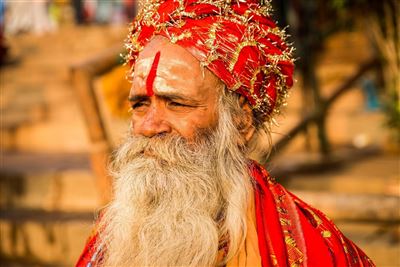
(63, 109)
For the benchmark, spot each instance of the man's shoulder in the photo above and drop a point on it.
(297, 232)
(92, 251)
(87, 256)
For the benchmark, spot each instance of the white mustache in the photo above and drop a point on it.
(170, 149)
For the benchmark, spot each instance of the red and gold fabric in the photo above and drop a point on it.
(292, 233)
(289, 233)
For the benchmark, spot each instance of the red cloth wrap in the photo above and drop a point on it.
(318, 242)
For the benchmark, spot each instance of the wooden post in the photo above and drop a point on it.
(83, 75)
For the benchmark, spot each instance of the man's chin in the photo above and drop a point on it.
(146, 153)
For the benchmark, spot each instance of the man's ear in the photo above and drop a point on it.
(246, 123)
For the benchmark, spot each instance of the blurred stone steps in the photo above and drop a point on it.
(48, 182)
(347, 170)
(380, 241)
(56, 242)
(16, 116)
(48, 204)
(38, 107)
(19, 106)
(354, 207)
(12, 118)
(30, 114)
(42, 76)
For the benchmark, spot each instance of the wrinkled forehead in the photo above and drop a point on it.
(172, 56)
(176, 65)
(143, 66)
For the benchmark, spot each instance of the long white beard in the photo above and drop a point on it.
(176, 201)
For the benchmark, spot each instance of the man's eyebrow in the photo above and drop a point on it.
(173, 96)
(177, 96)
(168, 96)
(134, 98)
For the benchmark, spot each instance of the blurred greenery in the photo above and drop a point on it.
(391, 107)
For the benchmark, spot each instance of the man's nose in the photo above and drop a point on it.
(153, 123)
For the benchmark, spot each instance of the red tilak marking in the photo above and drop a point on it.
(152, 75)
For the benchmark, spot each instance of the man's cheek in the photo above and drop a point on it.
(135, 125)
(186, 130)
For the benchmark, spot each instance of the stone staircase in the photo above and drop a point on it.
(48, 203)
(48, 192)
(21, 106)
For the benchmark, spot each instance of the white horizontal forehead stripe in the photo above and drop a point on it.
(142, 67)
(161, 87)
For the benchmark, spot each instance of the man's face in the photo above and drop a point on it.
(183, 96)
(176, 200)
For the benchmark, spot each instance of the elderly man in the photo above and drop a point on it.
(207, 77)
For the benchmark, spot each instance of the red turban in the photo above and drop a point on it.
(235, 39)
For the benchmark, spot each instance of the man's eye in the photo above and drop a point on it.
(176, 104)
(137, 105)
